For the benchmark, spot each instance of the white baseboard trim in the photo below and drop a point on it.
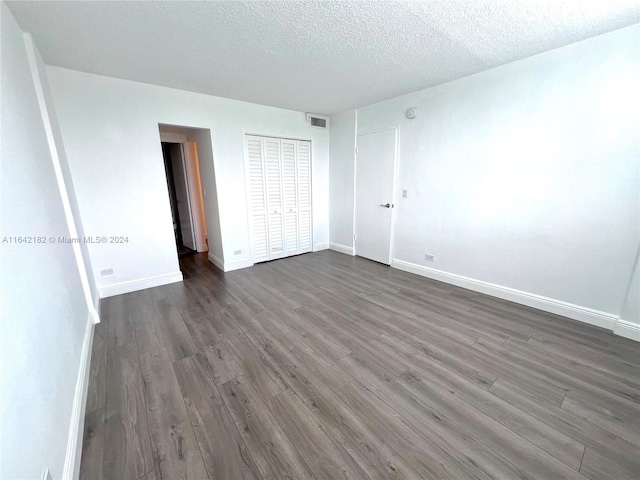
(216, 261)
(76, 427)
(576, 312)
(141, 284)
(338, 247)
(320, 246)
(237, 264)
(627, 329)
(230, 266)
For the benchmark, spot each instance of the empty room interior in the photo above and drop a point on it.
(320, 240)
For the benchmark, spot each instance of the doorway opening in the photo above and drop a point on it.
(178, 185)
(182, 170)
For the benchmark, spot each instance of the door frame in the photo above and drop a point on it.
(394, 190)
(245, 155)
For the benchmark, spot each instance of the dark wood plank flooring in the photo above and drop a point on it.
(328, 366)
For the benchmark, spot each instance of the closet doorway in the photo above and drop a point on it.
(278, 176)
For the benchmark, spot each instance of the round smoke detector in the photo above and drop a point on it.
(412, 113)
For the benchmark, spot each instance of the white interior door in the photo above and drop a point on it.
(182, 195)
(375, 182)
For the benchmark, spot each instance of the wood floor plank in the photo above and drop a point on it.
(316, 338)
(325, 458)
(597, 390)
(127, 452)
(535, 461)
(358, 341)
(412, 306)
(224, 451)
(598, 467)
(448, 383)
(98, 368)
(625, 426)
(121, 329)
(93, 446)
(466, 449)
(275, 455)
(452, 355)
(593, 436)
(178, 451)
(371, 453)
(577, 375)
(200, 328)
(254, 365)
(149, 476)
(176, 334)
(323, 368)
(223, 366)
(609, 364)
(149, 336)
(428, 456)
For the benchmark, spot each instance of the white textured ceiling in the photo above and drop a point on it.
(321, 57)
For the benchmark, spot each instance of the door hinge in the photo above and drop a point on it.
(355, 236)
(356, 149)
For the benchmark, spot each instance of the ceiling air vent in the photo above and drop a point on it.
(317, 121)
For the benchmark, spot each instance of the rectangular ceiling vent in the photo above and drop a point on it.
(317, 121)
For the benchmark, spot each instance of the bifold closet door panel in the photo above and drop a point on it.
(290, 195)
(305, 237)
(257, 199)
(273, 168)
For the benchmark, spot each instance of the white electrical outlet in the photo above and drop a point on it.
(106, 271)
(237, 252)
(404, 193)
(429, 257)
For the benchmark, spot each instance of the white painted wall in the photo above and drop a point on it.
(110, 130)
(524, 176)
(44, 312)
(341, 173)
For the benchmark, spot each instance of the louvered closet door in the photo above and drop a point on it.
(257, 199)
(274, 197)
(305, 236)
(290, 196)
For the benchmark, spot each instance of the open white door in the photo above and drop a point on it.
(375, 185)
(181, 183)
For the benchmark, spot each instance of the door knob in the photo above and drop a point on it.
(388, 205)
